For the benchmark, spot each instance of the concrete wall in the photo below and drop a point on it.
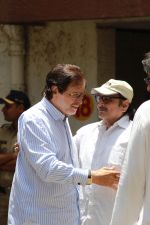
(88, 44)
(106, 54)
(11, 60)
(72, 42)
(61, 42)
(21, 11)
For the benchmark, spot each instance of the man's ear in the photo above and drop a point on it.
(125, 105)
(21, 108)
(54, 89)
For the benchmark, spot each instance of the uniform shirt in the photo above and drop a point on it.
(99, 147)
(134, 187)
(44, 190)
(8, 137)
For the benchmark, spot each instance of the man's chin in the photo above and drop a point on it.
(72, 113)
(101, 114)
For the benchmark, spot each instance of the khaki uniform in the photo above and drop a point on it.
(8, 136)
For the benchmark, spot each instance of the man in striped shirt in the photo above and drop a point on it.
(45, 185)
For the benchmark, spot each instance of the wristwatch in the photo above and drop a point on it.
(89, 180)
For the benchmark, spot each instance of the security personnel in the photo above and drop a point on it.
(15, 103)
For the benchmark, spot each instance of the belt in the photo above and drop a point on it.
(4, 190)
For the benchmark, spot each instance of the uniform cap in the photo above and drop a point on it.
(113, 87)
(18, 97)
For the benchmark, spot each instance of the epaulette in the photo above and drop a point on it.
(6, 125)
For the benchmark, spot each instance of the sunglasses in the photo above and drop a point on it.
(147, 80)
(106, 99)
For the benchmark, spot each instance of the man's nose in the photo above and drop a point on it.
(100, 102)
(79, 101)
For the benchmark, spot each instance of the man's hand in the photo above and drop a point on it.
(106, 176)
(8, 160)
(16, 147)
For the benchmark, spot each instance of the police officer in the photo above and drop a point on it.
(15, 103)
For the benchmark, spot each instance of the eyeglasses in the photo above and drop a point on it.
(106, 99)
(76, 95)
(147, 80)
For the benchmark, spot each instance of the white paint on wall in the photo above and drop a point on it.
(11, 60)
(61, 42)
(74, 42)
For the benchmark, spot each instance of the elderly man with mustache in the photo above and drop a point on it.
(103, 144)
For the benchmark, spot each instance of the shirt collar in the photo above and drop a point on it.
(123, 122)
(52, 110)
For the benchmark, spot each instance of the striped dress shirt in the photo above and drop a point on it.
(44, 189)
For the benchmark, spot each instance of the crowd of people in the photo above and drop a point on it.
(98, 177)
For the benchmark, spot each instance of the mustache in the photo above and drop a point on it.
(102, 108)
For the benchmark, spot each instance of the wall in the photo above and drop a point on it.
(89, 44)
(106, 54)
(61, 42)
(23, 11)
(11, 60)
(73, 42)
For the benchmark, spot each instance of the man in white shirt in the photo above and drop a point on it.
(45, 184)
(134, 187)
(102, 144)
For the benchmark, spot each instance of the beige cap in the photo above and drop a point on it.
(113, 86)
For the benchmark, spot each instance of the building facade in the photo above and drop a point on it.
(106, 39)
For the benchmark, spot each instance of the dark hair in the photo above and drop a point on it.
(146, 63)
(130, 111)
(62, 75)
(19, 97)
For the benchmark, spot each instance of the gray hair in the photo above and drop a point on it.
(146, 63)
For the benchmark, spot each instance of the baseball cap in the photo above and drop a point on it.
(113, 86)
(18, 97)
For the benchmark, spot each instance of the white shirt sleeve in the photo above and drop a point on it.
(130, 194)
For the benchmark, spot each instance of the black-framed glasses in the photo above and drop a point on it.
(147, 80)
(107, 99)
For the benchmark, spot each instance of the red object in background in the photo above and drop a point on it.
(86, 109)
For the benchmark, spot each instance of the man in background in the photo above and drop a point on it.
(15, 103)
(134, 186)
(104, 143)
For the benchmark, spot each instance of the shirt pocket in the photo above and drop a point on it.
(116, 156)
